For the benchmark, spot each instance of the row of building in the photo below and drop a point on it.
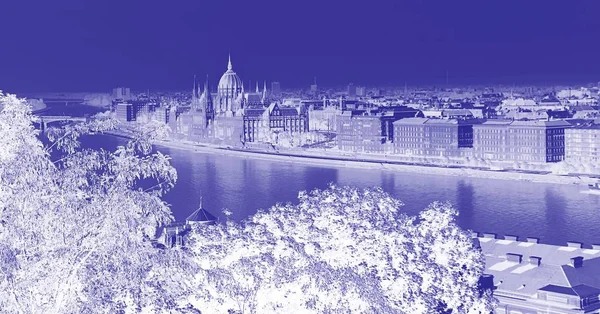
(534, 141)
(231, 115)
(393, 130)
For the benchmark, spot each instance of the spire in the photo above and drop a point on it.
(194, 91)
(206, 86)
(200, 206)
(264, 93)
(198, 89)
(207, 99)
(257, 87)
(229, 67)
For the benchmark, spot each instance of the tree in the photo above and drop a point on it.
(76, 229)
(340, 250)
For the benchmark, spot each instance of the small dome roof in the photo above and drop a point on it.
(201, 215)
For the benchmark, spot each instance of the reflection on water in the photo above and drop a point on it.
(555, 213)
(465, 196)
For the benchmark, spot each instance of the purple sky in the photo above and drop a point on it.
(77, 45)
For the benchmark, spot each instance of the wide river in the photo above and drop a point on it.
(554, 213)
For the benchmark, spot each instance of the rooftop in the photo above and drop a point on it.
(493, 122)
(580, 290)
(413, 121)
(541, 123)
(417, 121)
(530, 123)
(201, 215)
(254, 112)
(526, 267)
(587, 126)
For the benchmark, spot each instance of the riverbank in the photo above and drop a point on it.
(333, 160)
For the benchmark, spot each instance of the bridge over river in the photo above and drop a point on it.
(66, 101)
(45, 120)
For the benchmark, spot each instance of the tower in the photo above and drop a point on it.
(313, 88)
(195, 102)
(206, 104)
(264, 94)
(194, 91)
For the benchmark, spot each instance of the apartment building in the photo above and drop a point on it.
(433, 137)
(582, 143)
(360, 131)
(520, 141)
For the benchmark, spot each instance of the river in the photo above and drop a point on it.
(554, 213)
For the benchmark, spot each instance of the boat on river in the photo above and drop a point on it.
(593, 188)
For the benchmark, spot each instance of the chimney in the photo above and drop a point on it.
(511, 237)
(512, 257)
(533, 240)
(489, 235)
(535, 260)
(577, 261)
(476, 243)
(574, 244)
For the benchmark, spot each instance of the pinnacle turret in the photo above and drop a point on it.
(194, 89)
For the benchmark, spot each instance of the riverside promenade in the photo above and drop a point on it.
(333, 158)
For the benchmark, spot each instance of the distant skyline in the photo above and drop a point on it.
(70, 45)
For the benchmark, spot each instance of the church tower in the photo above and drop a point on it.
(195, 95)
(264, 99)
(206, 103)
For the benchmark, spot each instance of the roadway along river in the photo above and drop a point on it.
(555, 213)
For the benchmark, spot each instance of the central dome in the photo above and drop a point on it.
(230, 84)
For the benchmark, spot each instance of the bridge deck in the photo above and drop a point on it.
(61, 118)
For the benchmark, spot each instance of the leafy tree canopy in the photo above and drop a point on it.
(75, 229)
(340, 250)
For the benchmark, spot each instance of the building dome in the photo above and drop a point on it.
(230, 87)
(230, 84)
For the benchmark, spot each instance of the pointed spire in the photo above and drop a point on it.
(229, 67)
(200, 206)
(264, 93)
(194, 91)
(257, 87)
(206, 87)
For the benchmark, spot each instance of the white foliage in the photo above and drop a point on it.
(340, 250)
(74, 232)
